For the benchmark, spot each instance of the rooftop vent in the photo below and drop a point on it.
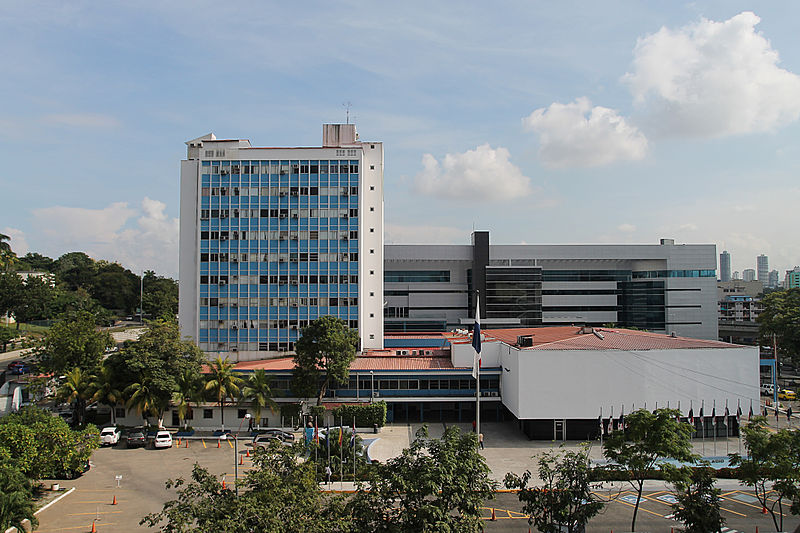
(525, 340)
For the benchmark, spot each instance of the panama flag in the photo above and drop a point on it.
(476, 338)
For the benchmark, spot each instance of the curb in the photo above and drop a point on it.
(70, 491)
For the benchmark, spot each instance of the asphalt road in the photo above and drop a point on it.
(144, 471)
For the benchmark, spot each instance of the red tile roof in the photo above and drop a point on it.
(571, 338)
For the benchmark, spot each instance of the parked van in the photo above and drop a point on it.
(767, 389)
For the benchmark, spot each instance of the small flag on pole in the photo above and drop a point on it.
(738, 413)
(691, 416)
(750, 414)
(476, 338)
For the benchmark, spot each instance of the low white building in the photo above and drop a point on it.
(558, 381)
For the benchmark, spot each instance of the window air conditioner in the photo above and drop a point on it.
(344, 215)
(494, 393)
(282, 194)
(283, 215)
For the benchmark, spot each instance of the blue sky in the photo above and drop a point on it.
(543, 122)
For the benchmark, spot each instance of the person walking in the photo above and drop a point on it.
(474, 424)
(328, 474)
(480, 439)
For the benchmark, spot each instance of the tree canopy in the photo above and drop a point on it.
(564, 498)
(323, 356)
(646, 440)
(278, 494)
(72, 343)
(781, 318)
(434, 485)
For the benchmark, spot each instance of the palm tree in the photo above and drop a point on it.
(15, 506)
(76, 390)
(6, 254)
(257, 391)
(223, 383)
(104, 391)
(145, 401)
(189, 391)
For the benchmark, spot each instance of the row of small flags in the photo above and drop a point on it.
(621, 420)
(327, 432)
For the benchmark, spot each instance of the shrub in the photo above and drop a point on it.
(365, 415)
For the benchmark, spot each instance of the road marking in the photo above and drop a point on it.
(618, 500)
(229, 442)
(70, 491)
(104, 501)
(77, 527)
(734, 512)
(204, 442)
(94, 512)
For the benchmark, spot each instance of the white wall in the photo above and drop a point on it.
(547, 384)
(370, 299)
(189, 257)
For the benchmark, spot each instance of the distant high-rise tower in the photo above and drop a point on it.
(762, 265)
(773, 279)
(792, 279)
(748, 274)
(736, 275)
(725, 266)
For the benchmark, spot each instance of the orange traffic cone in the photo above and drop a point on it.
(763, 509)
(494, 518)
(218, 443)
(241, 460)
(94, 527)
(179, 442)
(114, 502)
(248, 452)
(187, 443)
(756, 529)
(223, 484)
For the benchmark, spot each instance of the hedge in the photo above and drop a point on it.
(317, 411)
(365, 415)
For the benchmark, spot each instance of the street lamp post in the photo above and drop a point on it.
(372, 380)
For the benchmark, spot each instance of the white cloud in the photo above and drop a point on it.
(626, 228)
(18, 243)
(150, 242)
(710, 79)
(579, 135)
(484, 173)
(423, 234)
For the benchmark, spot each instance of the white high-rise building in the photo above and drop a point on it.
(273, 238)
(762, 267)
(748, 274)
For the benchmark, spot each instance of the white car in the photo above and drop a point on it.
(163, 440)
(110, 436)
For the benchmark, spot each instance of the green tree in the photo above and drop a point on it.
(104, 389)
(278, 494)
(73, 342)
(16, 497)
(699, 502)
(114, 287)
(75, 269)
(648, 438)
(76, 390)
(772, 464)
(564, 498)
(6, 336)
(11, 287)
(160, 297)
(153, 364)
(434, 485)
(7, 255)
(223, 383)
(324, 353)
(36, 301)
(780, 319)
(189, 390)
(35, 262)
(146, 401)
(258, 392)
(43, 446)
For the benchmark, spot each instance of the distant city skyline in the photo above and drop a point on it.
(592, 120)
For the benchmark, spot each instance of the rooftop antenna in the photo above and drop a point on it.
(347, 105)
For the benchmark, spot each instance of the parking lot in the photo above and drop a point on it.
(143, 472)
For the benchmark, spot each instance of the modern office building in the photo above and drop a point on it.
(792, 279)
(663, 288)
(762, 267)
(749, 274)
(725, 266)
(272, 238)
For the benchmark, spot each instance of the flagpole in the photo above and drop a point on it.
(601, 427)
(703, 425)
(714, 425)
(478, 366)
(341, 454)
(353, 440)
